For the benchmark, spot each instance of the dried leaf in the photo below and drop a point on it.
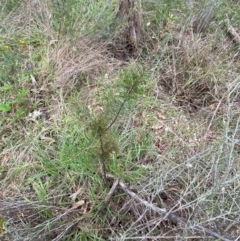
(1, 230)
(161, 116)
(74, 195)
(78, 204)
(35, 114)
(157, 127)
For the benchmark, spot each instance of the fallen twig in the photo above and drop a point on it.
(110, 193)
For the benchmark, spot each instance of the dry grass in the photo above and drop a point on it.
(77, 61)
(195, 69)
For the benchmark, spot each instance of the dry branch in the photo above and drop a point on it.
(166, 214)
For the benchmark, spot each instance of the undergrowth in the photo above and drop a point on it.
(119, 124)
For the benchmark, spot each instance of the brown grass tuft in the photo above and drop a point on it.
(76, 62)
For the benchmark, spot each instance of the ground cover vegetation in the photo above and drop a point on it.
(119, 120)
